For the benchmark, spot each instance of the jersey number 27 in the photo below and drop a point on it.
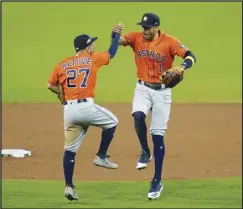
(72, 75)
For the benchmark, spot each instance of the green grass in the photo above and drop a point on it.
(205, 193)
(38, 35)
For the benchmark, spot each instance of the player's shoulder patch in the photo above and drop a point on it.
(182, 46)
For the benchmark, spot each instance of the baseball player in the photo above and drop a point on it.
(74, 81)
(154, 53)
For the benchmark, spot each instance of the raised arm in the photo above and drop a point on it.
(123, 41)
(115, 39)
(118, 29)
(114, 45)
(178, 49)
(189, 60)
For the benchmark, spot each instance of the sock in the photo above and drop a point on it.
(68, 166)
(106, 138)
(159, 152)
(141, 130)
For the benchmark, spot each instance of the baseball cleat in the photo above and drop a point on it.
(70, 193)
(155, 190)
(143, 161)
(106, 163)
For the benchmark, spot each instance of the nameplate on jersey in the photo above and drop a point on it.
(151, 54)
(77, 62)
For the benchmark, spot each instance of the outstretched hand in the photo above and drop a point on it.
(118, 28)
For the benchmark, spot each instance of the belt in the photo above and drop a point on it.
(154, 86)
(78, 101)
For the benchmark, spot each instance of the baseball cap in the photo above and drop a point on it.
(82, 41)
(149, 20)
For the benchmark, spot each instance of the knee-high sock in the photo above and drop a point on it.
(106, 138)
(68, 166)
(141, 129)
(159, 152)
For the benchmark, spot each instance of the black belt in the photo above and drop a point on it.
(154, 86)
(78, 101)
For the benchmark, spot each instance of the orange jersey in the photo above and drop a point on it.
(77, 74)
(154, 57)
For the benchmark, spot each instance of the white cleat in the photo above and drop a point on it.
(106, 163)
(155, 190)
(144, 160)
(143, 165)
(70, 193)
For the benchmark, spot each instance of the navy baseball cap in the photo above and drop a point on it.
(149, 20)
(83, 41)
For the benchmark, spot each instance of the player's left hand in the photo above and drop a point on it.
(172, 77)
(180, 69)
(60, 94)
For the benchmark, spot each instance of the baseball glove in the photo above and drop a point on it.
(172, 77)
(60, 94)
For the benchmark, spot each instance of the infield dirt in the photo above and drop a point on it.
(202, 140)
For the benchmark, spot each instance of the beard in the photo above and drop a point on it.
(148, 36)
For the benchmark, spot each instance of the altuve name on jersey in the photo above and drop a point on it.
(77, 62)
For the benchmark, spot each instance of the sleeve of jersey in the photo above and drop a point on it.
(131, 38)
(178, 48)
(102, 58)
(53, 79)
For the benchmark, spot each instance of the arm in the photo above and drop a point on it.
(52, 88)
(57, 89)
(54, 85)
(189, 60)
(174, 76)
(114, 45)
(180, 50)
(123, 41)
(103, 58)
(118, 29)
(128, 39)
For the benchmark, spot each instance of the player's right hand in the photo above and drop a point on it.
(118, 28)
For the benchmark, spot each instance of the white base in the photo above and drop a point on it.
(19, 153)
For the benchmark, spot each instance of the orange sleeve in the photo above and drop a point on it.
(177, 48)
(102, 58)
(53, 79)
(131, 38)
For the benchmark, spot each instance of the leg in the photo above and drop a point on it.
(141, 130)
(108, 122)
(141, 105)
(160, 117)
(159, 152)
(106, 138)
(73, 138)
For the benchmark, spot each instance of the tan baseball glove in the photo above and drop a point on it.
(172, 77)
